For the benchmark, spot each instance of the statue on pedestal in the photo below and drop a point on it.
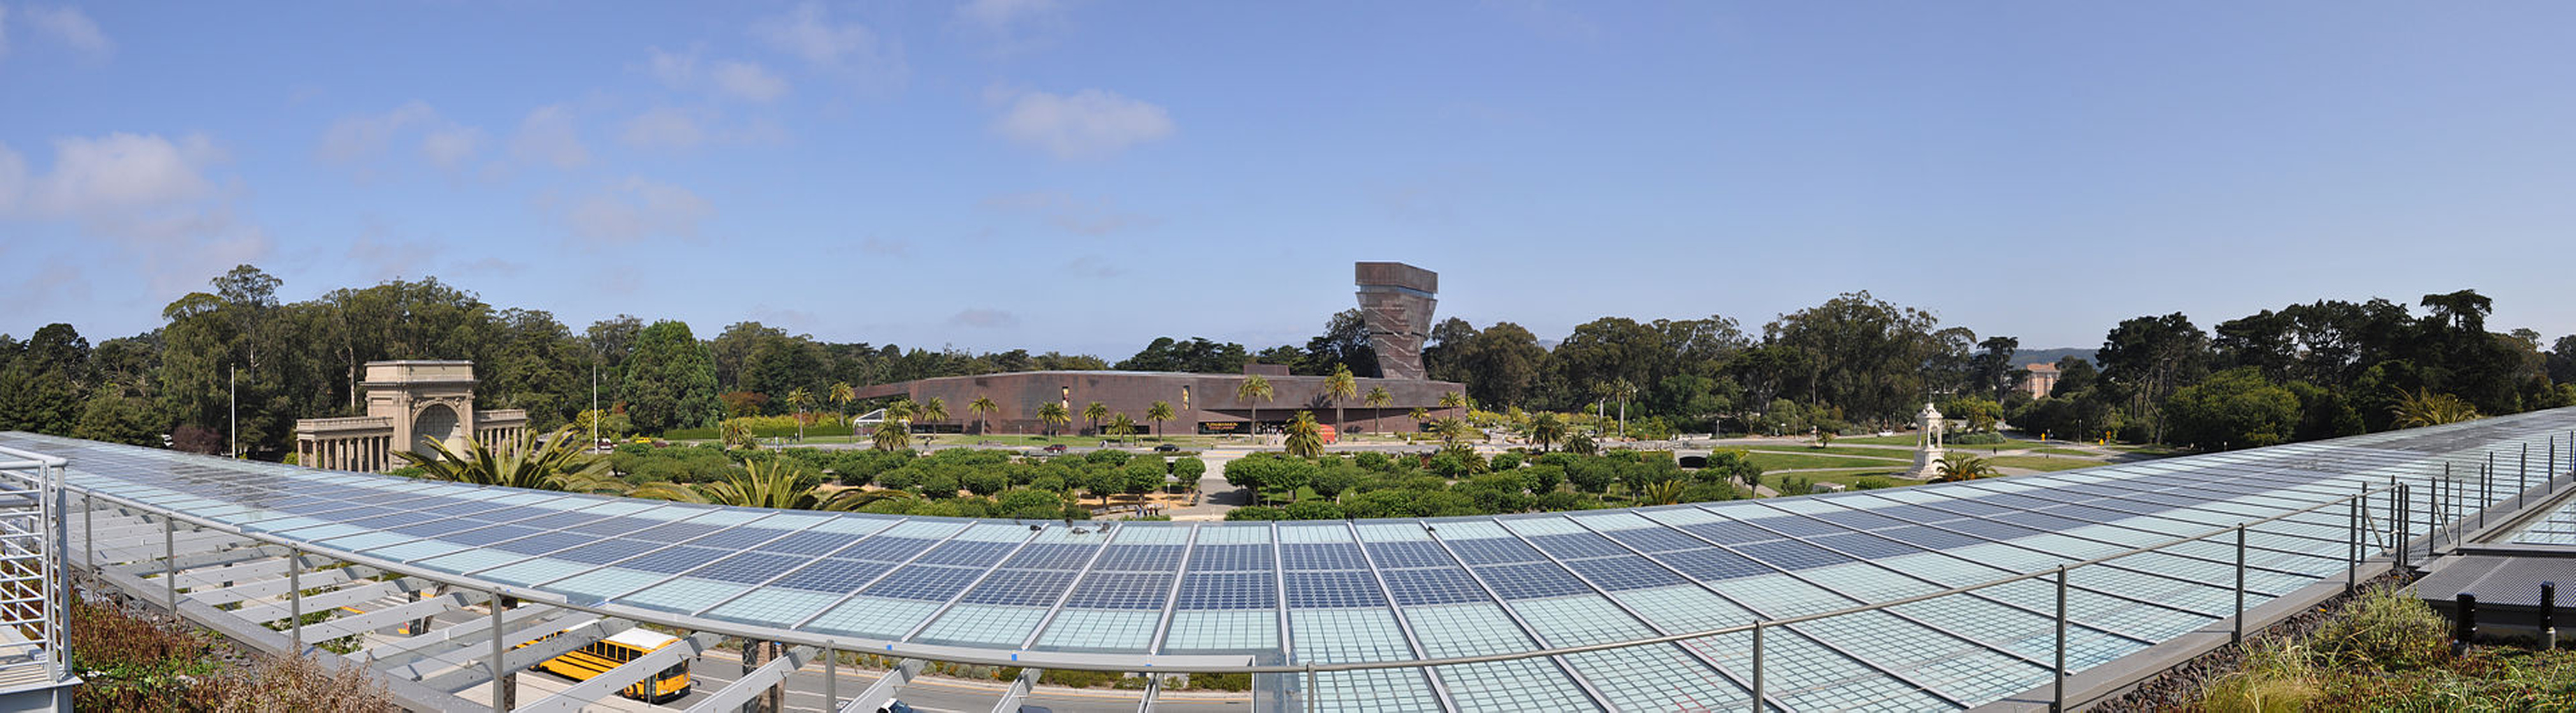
(1927, 457)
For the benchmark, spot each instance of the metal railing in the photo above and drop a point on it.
(34, 591)
(2375, 528)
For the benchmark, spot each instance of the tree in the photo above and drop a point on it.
(1419, 415)
(842, 395)
(983, 407)
(1252, 392)
(1344, 343)
(1121, 425)
(892, 435)
(1453, 400)
(1956, 466)
(1546, 429)
(737, 433)
(1158, 413)
(2420, 408)
(1093, 412)
(2151, 357)
(1054, 416)
(1197, 355)
(933, 409)
(1340, 385)
(2237, 407)
(798, 399)
(776, 483)
(1621, 389)
(1377, 400)
(670, 382)
(1304, 439)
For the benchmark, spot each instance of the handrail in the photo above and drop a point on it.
(1092, 661)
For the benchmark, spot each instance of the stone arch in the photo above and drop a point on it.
(436, 422)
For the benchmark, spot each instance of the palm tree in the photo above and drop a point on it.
(934, 409)
(900, 410)
(842, 395)
(1093, 413)
(1453, 400)
(1340, 386)
(893, 435)
(1158, 413)
(1664, 492)
(1252, 392)
(775, 484)
(1957, 466)
(983, 405)
(849, 499)
(1054, 416)
(1418, 415)
(523, 462)
(1377, 399)
(798, 399)
(736, 433)
(1452, 429)
(1122, 426)
(2424, 408)
(1621, 388)
(1545, 430)
(1304, 440)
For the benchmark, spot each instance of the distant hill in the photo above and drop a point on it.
(2050, 356)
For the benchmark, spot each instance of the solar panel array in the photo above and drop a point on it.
(1387, 590)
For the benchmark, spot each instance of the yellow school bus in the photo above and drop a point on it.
(597, 658)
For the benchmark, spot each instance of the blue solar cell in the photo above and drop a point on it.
(1052, 556)
(1866, 546)
(748, 567)
(1791, 554)
(836, 576)
(606, 551)
(1795, 526)
(927, 582)
(1443, 585)
(557, 520)
(1391, 555)
(1228, 590)
(544, 543)
(2042, 521)
(1335, 555)
(486, 535)
(1712, 564)
(1858, 520)
(1530, 581)
(968, 554)
(613, 527)
(394, 519)
(2090, 513)
(739, 537)
(508, 513)
(810, 543)
(674, 560)
(1630, 572)
(1990, 529)
(1209, 558)
(1932, 538)
(1020, 587)
(1973, 507)
(1579, 544)
(888, 549)
(1493, 551)
(672, 532)
(1119, 590)
(1326, 590)
(1729, 532)
(1139, 558)
(1655, 539)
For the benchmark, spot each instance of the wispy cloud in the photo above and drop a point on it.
(358, 141)
(810, 33)
(548, 136)
(68, 25)
(635, 209)
(150, 195)
(729, 78)
(1089, 124)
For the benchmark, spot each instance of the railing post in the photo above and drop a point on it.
(170, 560)
(505, 692)
(1311, 691)
(2058, 694)
(295, 597)
(831, 679)
(2239, 636)
(2352, 545)
(1757, 666)
(2522, 476)
(2398, 526)
(89, 534)
(2486, 490)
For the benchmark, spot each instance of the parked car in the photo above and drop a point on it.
(1054, 448)
(1167, 448)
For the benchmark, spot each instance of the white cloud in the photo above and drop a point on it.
(1003, 13)
(358, 141)
(548, 136)
(149, 195)
(1100, 217)
(808, 32)
(1084, 125)
(637, 209)
(984, 319)
(73, 28)
(739, 79)
(664, 128)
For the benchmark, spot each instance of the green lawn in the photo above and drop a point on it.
(2066, 452)
(2042, 463)
(1897, 453)
(1778, 461)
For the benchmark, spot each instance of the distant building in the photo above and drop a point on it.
(2039, 379)
(408, 402)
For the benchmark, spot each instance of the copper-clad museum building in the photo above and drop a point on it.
(1396, 302)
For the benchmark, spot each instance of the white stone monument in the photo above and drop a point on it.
(1927, 457)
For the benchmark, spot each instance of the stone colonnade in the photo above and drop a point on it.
(367, 453)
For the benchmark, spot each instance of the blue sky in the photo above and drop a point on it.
(1083, 176)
